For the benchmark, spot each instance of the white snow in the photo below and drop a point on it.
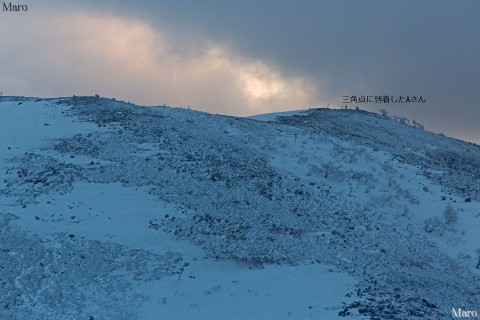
(174, 214)
(274, 115)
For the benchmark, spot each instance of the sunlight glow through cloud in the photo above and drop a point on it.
(129, 60)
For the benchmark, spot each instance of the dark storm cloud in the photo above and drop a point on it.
(427, 48)
(407, 45)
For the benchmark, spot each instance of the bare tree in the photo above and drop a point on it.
(327, 167)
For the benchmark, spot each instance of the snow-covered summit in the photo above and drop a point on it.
(114, 211)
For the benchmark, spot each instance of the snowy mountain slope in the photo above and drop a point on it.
(193, 215)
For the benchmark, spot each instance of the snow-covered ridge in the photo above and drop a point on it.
(351, 193)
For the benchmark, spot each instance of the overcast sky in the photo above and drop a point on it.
(249, 57)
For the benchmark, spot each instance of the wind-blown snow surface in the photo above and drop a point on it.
(113, 211)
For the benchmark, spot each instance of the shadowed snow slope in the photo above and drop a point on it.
(114, 211)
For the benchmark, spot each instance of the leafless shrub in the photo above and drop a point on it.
(450, 214)
(434, 223)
